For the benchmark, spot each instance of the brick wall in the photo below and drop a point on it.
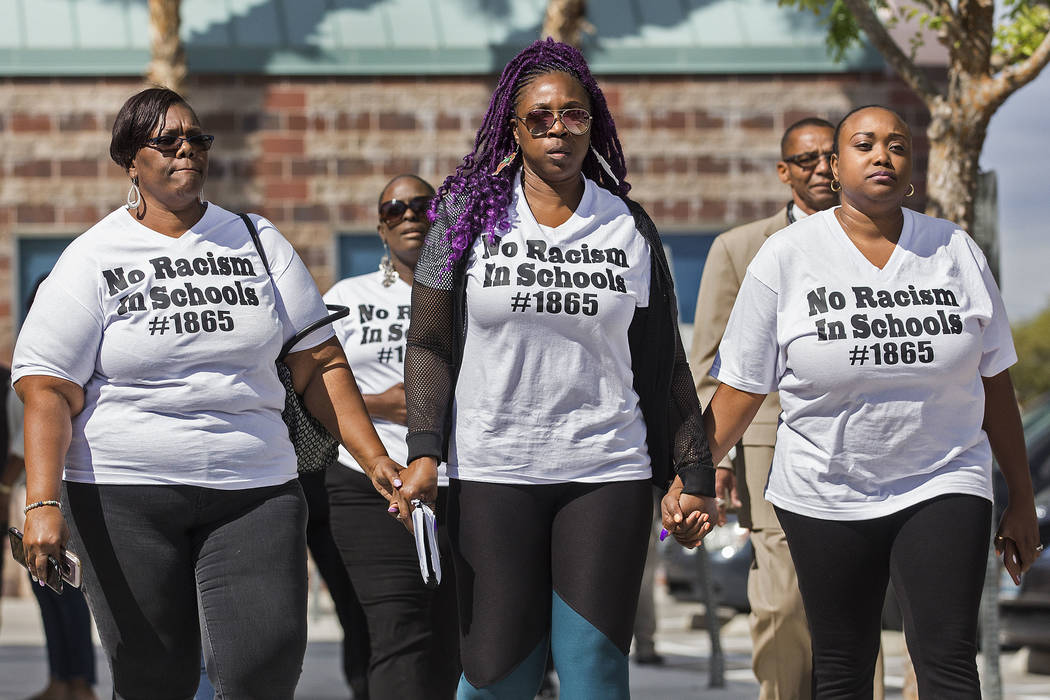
(313, 153)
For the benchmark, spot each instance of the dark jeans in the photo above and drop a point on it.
(934, 552)
(325, 553)
(412, 629)
(67, 628)
(168, 566)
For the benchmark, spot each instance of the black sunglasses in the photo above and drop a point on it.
(392, 211)
(538, 122)
(169, 144)
(808, 161)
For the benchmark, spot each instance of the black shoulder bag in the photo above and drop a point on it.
(315, 448)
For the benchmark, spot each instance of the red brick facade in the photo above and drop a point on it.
(313, 153)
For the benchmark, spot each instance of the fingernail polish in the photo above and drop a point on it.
(663, 534)
(397, 483)
(391, 509)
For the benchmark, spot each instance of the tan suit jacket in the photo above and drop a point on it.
(723, 274)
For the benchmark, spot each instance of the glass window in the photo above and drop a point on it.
(357, 253)
(687, 252)
(36, 257)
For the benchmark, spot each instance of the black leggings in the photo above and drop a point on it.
(513, 545)
(935, 553)
(411, 628)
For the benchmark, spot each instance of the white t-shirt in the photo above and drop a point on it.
(174, 342)
(879, 371)
(373, 337)
(545, 390)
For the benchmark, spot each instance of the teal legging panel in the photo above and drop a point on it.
(589, 665)
(520, 684)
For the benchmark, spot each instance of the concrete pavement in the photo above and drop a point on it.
(23, 661)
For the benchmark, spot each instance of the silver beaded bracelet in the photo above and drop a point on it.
(39, 504)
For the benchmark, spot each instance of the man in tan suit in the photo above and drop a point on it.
(779, 632)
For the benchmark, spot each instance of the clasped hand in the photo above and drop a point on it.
(689, 518)
(402, 486)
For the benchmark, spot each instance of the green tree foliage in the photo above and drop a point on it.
(1031, 374)
(992, 52)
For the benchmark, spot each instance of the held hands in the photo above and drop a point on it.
(689, 518)
(419, 480)
(1017, 540)
(45, 535)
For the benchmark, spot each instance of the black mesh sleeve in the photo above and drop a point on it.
(692, 455)
(431, 344)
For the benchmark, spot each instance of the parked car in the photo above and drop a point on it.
(1025, 610)
(729, 554)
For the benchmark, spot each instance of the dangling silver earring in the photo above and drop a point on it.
(201, 196)
(605, 165)
(133, 204)
(386, 266)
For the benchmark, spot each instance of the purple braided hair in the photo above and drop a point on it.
(485, 197)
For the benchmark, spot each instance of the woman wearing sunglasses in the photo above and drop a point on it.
(544, 361)
(147, 370)
(411, 628)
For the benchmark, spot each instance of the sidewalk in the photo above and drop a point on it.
(23, 661)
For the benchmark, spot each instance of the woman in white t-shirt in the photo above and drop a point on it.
(412, 629)
(885, 334)
(544, 362)
(153, 423)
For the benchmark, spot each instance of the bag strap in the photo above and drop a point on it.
(338, 312)
(258, 244)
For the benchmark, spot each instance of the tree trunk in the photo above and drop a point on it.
(565, 21)
(957, 131)
(167, 66)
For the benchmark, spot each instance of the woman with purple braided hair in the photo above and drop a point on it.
(544, 365)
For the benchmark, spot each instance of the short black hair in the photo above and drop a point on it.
(802, 123)
(137, 119)
(404, 176)
(838, 129)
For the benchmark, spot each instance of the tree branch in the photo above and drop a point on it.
(944, 9)
(1018, 75)
(905, 67)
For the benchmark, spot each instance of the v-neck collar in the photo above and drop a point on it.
(892, 263)
(146, 232)
(567, 227)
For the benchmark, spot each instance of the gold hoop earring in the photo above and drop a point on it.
(836, 186)
(911, 190)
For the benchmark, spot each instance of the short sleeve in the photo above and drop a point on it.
(299, 302)
(748, 355)
(997, 344)
(63, 330)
